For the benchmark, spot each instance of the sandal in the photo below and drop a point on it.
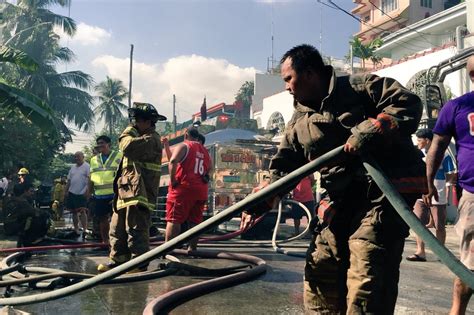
(415, 257)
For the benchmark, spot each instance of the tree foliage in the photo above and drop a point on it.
(366, 51)
(32, 87)
(244, 95)
(29, 27)
(110, 94)
(26, 144)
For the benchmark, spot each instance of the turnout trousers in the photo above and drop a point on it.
(352, 264)
(129, 233)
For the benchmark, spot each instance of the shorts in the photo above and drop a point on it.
(182, 210)
(465, 229)
(297, 212)
(74, 201)
(102, 207)
(438, 212)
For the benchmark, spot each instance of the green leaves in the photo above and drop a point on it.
(32, 107)
(366, 51)
(18, 57)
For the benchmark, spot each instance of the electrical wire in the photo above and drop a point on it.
(407, 27)
(334, 6)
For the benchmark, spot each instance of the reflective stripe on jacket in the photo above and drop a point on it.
(103, 174)
(138, 176)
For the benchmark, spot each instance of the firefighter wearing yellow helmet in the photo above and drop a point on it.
(23, 175)
(135, 186)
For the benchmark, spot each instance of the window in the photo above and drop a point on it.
(389, 5)
(276, 122)
(367, 18)
(426, 3)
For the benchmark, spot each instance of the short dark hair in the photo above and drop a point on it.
(425, 134)
(103, 138)
(193, 133)
(20, 189)
(201, 139)
(303, 58)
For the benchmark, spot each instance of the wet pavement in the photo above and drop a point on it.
(425, 288)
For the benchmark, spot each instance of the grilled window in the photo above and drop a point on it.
(389, 5)
(426, 3)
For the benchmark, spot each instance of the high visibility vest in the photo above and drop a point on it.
(103, 174)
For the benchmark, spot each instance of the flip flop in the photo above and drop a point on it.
(415, 257)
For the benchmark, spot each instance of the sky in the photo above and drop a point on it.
(195, 48)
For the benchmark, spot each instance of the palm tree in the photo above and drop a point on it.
(111, 93)
(12, 98)
(244, 95)
(366, 52)
(31, 24)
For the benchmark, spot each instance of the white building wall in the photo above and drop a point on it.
(404, 71)
(281, 102)
(265, 85)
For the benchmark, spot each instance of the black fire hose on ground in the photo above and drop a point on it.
(166, 302)
(285, 184)
(409, 217)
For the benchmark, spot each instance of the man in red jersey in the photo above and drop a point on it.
(187, 193)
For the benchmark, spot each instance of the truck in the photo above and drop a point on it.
(240, 158)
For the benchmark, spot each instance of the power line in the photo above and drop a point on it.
(399, 24)
(337, 7)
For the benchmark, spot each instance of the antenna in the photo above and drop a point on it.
(272, 61)
(320, 28)
(130, 77)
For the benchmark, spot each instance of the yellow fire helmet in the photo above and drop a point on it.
(23, 171)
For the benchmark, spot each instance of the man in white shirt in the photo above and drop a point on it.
(77, 192)
(3, 186)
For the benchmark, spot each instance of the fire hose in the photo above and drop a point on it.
(275, 243)
(284, 184)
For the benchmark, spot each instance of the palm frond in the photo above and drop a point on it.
(66, 24)
(18, 57)
(32, 107)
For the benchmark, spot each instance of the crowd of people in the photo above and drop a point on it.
(353, 262)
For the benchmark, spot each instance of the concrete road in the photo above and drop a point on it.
(425, 288)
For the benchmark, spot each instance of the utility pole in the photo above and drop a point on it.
(130, 78)
(273, 58)
(174, 113)
(351, 54)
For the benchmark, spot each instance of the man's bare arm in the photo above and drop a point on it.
(177, 156)
(434, 158)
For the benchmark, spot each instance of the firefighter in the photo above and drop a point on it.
(23, 175)
(58, 197)
(103, 169)
(354, 258)
(135, 186)
(22, 219)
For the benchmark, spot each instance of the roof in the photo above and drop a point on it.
(427, 24)
(229, 135)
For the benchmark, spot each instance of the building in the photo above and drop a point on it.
(414, 49)
(219, 109)
(380, 18)
(266, 84)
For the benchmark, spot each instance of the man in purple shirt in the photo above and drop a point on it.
(456, 119)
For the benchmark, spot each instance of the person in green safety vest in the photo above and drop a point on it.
(103, 170)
